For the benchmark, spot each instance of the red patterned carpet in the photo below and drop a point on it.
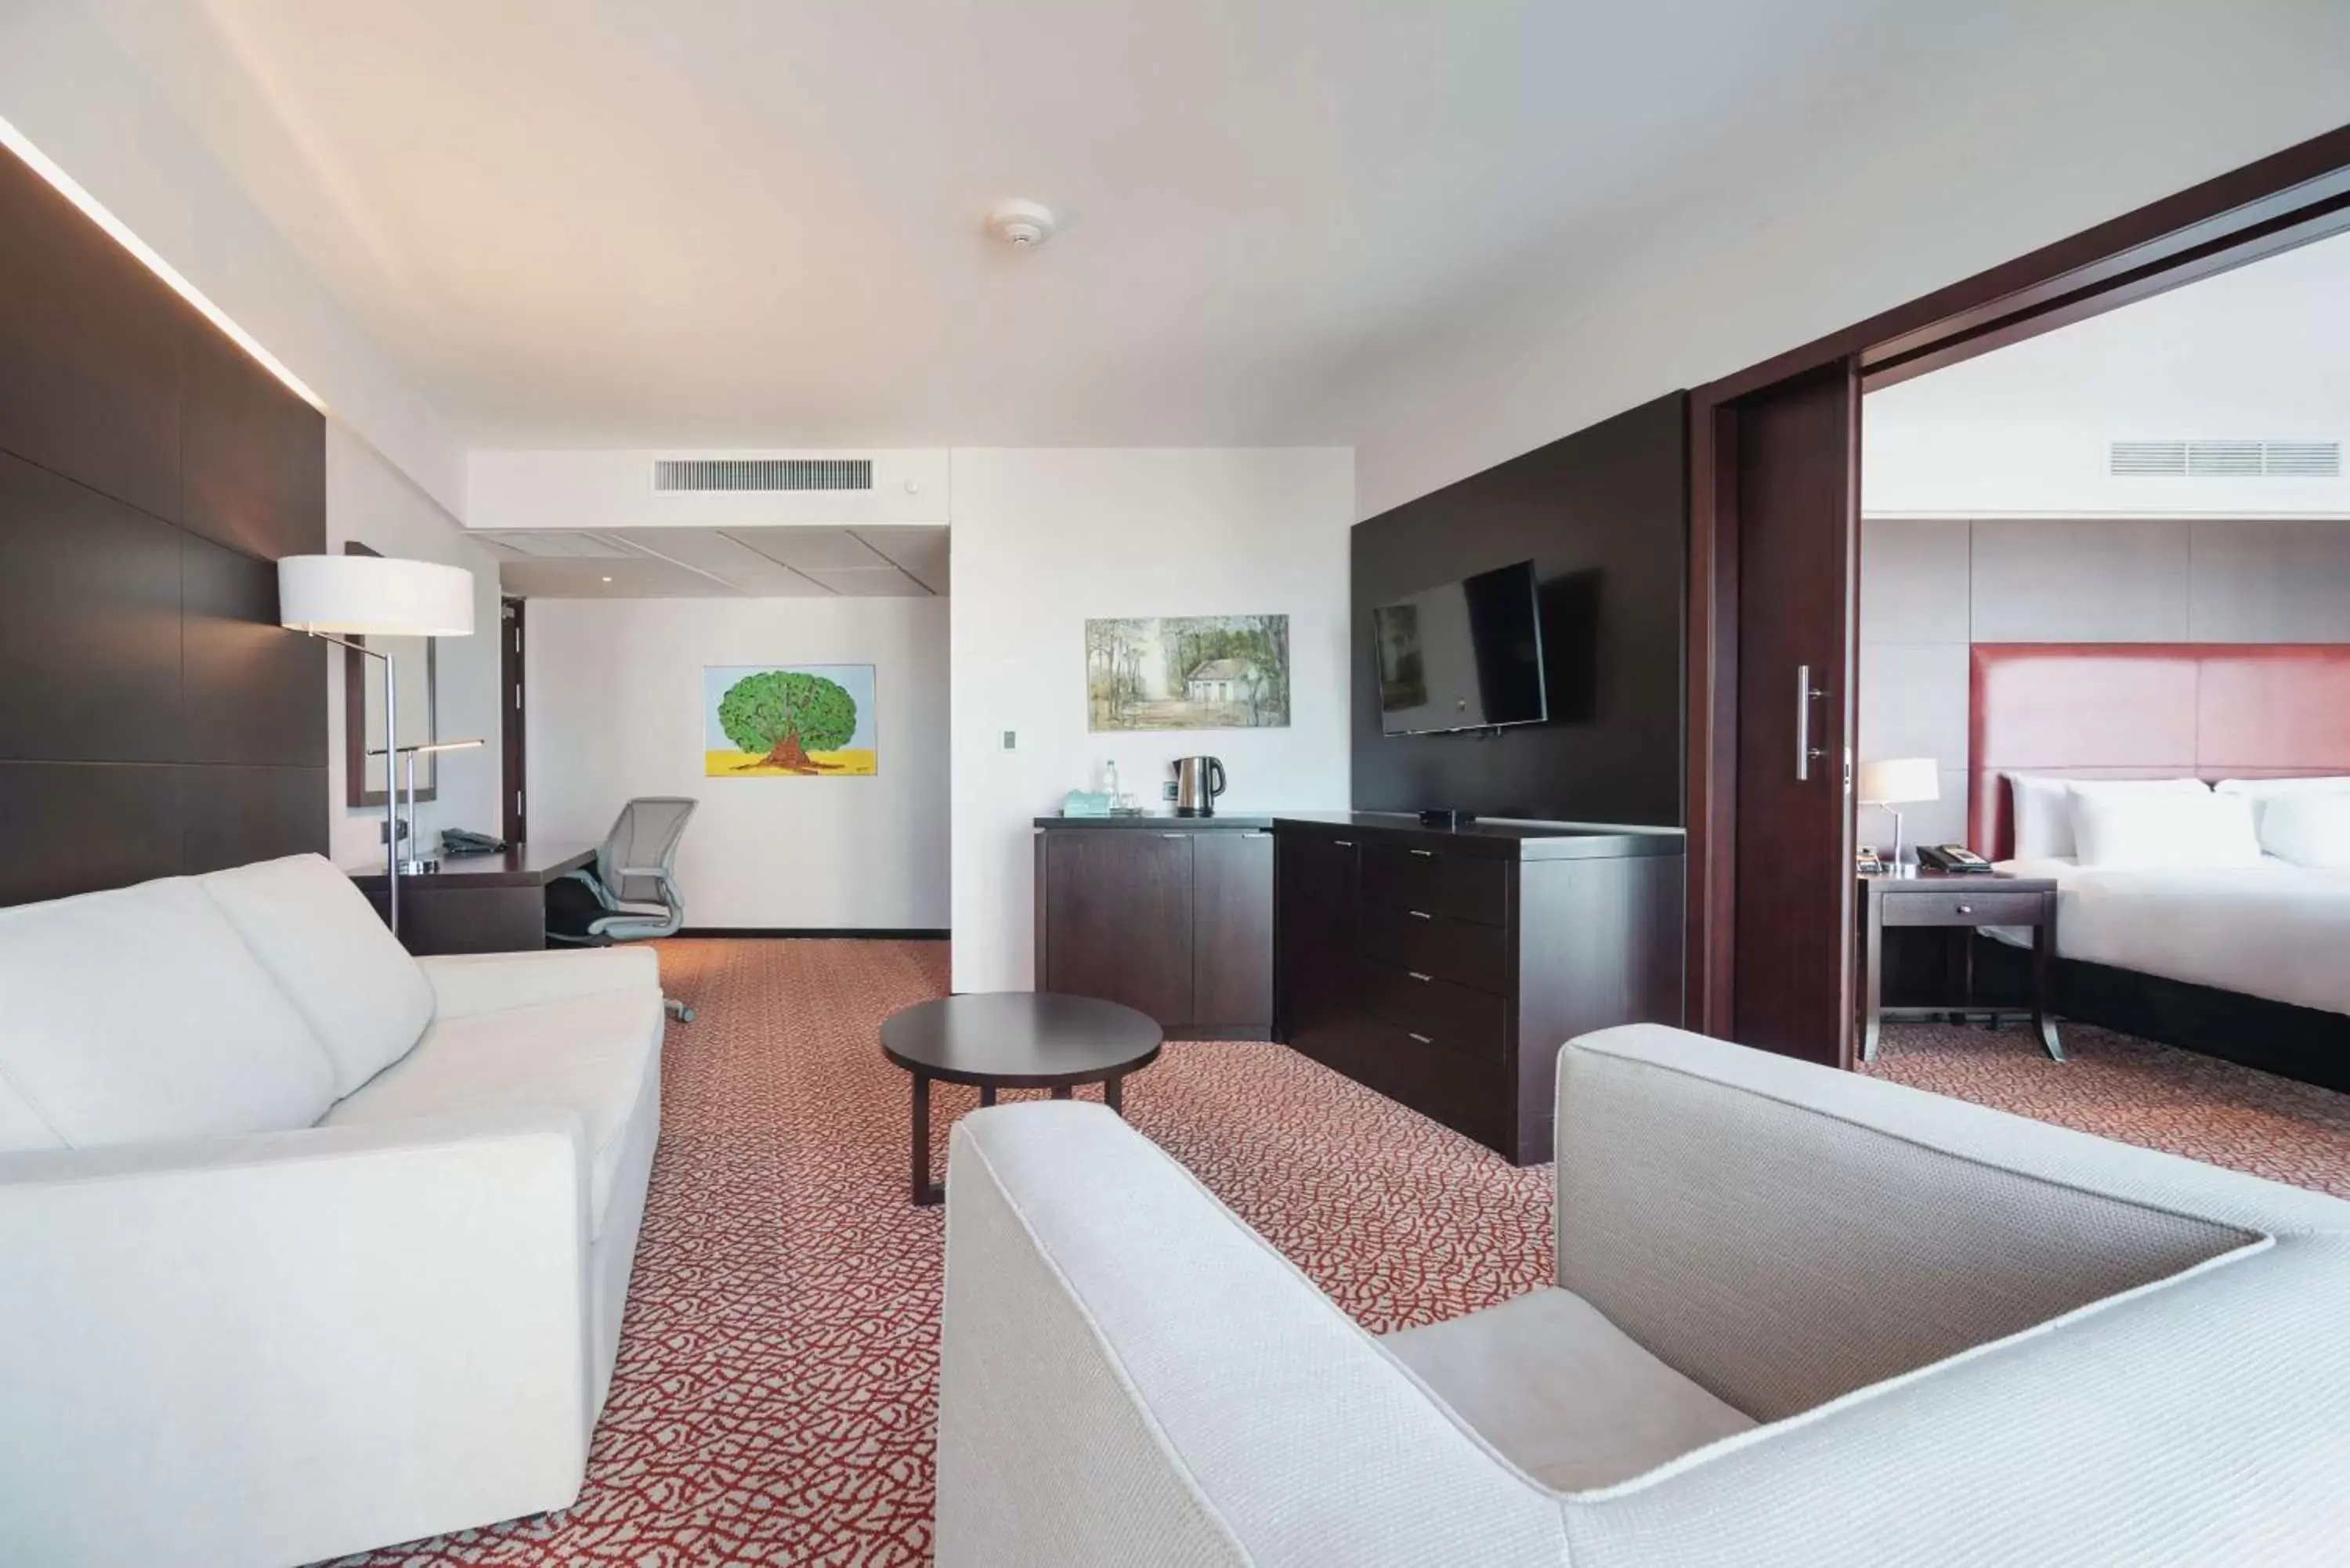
(2123, 1088)
(773, 1399)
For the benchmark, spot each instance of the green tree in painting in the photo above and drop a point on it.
(783, 714)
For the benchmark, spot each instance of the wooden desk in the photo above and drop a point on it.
(1934, 899)
(479, 903)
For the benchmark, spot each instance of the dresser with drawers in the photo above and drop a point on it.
(1445, 967)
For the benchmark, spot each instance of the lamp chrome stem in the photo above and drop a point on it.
(391, 744)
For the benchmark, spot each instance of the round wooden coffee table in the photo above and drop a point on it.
(1014, 1040)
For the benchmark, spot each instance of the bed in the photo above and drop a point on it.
(2250, 963)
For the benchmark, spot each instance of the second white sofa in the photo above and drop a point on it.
(306, 1246)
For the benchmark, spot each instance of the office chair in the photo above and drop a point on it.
(631, 895)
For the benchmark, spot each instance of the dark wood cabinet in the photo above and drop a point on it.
(1116, 918)
(1173, 919)
(1446, 969)
(1232, 932)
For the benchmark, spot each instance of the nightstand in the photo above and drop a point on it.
(1934, 899)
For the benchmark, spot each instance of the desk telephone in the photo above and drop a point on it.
(1953, 858)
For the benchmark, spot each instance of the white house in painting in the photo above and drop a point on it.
(1220, 680)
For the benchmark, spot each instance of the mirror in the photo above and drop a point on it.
(418, 663)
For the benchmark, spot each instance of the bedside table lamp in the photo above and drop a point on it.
(364, 595)
(1899, 781)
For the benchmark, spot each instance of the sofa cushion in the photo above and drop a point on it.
(1564, 1393)
(589, 1055)
(356, 987)
(136, 1014)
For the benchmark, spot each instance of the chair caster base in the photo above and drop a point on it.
(677, 1010)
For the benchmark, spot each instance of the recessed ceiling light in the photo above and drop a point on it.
(608, 579)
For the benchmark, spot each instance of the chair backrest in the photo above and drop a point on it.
(643, 838)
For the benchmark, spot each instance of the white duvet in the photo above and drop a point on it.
(2274, 930)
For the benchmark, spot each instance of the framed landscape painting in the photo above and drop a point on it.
(1187, 672)
(789, 721)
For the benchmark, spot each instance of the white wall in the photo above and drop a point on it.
(370, 502)
(2007, 142)
(613, 696)
(1045, 540)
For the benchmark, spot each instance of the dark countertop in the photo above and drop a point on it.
(1250, 823)
(519, 865)
(1508, 839)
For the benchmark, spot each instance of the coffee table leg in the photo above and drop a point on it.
(1062, 1092)
(925, 1191)
(986, 1096)
(1113, 1095)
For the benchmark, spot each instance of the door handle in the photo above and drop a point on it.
(1417, 975)
(1174, 835)
(1420, 914)
(1805, 695)
(1425, 854)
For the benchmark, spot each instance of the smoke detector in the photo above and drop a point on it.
(1022, 226)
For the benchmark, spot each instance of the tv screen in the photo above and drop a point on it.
(1465, 656)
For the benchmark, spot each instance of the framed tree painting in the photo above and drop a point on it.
(789, 721)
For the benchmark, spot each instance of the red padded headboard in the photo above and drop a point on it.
(2149, 710)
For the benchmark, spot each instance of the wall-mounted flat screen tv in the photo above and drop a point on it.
(1463, 656)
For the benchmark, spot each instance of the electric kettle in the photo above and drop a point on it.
(1197, 781)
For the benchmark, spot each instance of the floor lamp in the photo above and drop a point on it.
(337, 597)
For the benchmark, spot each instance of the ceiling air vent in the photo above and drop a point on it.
(760, 475)
(2224, 460)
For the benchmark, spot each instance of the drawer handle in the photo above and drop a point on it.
(1417, 976)
(1425, 854)
(1420, 914)
(1966, 909)
(1343, 843)
(1421, 1038)
(1174, 835)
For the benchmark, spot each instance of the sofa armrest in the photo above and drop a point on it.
(466, 983)
(1129, 1374)
(1784, 1233)
(292, 1345)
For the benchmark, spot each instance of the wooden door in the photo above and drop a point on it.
(514, 821)
(1316, 883)
(1795, 482)
(1118, 919)
(1231, 931)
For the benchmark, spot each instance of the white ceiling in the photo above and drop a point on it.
(717, 222)
(894, 562)
(2260, 353)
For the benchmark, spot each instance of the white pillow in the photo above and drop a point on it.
(2043, 807)
(2259, 792)
(2308, 827)
(2163, 828)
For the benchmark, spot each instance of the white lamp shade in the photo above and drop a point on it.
(374, 595)
(1896, 780)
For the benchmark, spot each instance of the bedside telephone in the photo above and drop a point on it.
(1952, 859)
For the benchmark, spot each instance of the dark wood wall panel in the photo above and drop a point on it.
(1604, 515)
(253, 456)
(253, 691)
(154, 717)
(231, 815)
(89, 624)
(89, 381)
(73, 827)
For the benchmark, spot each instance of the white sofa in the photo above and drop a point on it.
(306, 1246)
(1801, 1317)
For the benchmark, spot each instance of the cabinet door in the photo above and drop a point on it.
(1118, 919)
(1231, 930)
(1316, 883)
